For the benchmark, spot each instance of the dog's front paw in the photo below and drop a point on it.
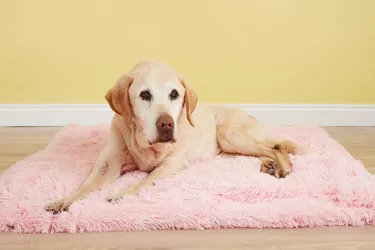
(58, 206)
(113, 198)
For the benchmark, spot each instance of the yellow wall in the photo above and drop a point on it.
(233, 51)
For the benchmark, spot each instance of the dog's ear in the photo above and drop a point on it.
(190, 100)
(118, 97)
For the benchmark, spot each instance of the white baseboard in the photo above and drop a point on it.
(90, 114)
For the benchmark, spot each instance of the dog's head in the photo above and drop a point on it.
(153, 96)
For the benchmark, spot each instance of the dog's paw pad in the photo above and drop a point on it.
(274, 166)
(271, 172)
(270, 167)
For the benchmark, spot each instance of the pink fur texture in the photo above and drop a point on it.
(327, 188)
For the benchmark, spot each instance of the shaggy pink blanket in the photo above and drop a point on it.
(327, 188)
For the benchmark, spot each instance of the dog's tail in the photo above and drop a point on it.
(288, 146)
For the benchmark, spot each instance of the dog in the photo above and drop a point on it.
(159, 127)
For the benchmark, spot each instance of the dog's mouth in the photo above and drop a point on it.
(164, 140)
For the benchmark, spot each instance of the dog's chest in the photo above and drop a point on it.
(147, 160)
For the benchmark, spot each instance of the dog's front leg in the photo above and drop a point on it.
(107, 169)
(168, 167)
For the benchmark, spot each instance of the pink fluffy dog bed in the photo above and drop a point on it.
(327, 188)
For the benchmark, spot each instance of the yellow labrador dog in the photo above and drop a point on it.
(159, 127)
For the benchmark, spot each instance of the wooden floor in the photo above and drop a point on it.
(17, 143)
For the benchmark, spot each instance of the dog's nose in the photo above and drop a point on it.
(165, 122)
(165, 127)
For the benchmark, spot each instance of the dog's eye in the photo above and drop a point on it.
(173, 95)
(146, 95)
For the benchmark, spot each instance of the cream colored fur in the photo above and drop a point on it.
(201, 131)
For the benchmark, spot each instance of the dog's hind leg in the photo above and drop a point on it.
(242, 136)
